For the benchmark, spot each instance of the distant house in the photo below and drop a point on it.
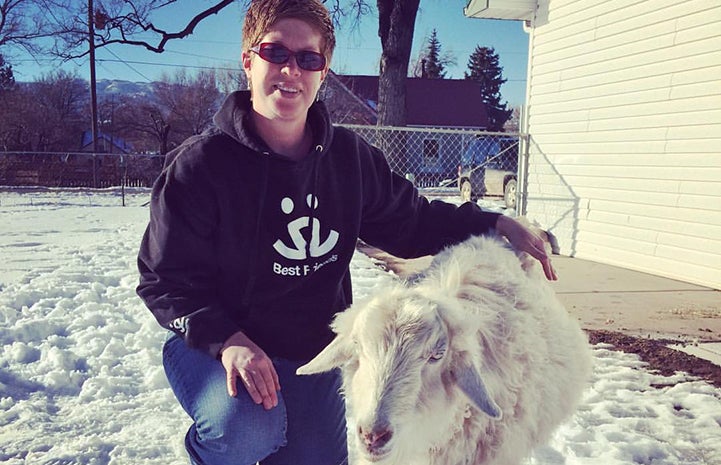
(106, 143)
(624, 118)
(430, 104)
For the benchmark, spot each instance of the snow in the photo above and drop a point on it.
(81, 380)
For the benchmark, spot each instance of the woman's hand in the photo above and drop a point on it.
(243, 359)
(524, 239)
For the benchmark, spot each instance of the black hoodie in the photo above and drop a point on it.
(244, 239)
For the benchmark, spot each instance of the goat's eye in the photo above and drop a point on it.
(437, 354)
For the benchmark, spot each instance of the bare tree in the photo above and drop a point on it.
(115, 22)
(21, 23)
(396, 24)
(53, 119)
(15, 126)
(230, 80)
(514, 122)
(191, 101)
(180, 106)
(143, 123)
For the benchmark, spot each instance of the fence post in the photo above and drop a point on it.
(95, 171)
(123, 177)
(523, 161)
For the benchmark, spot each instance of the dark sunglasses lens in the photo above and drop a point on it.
(274, 54)
(278, 54)
(311, 61)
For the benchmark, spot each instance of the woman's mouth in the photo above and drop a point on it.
(287, 90)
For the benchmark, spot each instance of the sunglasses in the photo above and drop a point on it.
(279, 55)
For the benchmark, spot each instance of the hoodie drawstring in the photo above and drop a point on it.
(313, 198)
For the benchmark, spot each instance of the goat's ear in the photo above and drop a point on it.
(470, 382)
(334, 355)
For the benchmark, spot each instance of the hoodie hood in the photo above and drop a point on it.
(234, 119)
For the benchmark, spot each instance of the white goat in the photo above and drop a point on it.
(477, 363)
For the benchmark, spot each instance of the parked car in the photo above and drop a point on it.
(489, 168)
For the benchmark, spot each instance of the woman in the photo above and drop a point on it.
(246, 257)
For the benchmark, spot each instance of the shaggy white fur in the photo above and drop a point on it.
(476, 363)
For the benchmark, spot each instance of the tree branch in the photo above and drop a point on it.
(121, 21)
(167, 36)
(20, 24)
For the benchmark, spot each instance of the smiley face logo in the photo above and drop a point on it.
(295, 231)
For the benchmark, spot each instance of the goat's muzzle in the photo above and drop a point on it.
(374, 440)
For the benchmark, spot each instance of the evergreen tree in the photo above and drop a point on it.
(484, 69)
(431, 64)
(434, 67)
(7, 80)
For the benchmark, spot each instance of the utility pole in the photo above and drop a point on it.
(93, 91)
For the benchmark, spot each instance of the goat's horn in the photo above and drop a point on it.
(471, 384)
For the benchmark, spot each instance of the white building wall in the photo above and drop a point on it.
(625, 122)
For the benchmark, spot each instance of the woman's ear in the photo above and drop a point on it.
(246, 60)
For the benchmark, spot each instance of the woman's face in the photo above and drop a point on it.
(284, 92)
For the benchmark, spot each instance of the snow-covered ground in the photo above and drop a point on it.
(81, 380)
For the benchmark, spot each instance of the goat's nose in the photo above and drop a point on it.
(376, 437)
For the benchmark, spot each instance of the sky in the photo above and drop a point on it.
(216, 43)
(81, 381)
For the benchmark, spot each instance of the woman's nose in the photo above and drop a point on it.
(291, 67)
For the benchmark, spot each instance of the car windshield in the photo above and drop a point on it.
(491, 152)
(478, 151)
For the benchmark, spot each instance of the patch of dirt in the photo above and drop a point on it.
(660, 358)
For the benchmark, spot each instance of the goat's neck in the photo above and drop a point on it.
(458, 446)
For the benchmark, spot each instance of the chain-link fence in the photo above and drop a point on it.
(470, 163)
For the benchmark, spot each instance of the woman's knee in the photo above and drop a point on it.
(249, 434)
(231, 426)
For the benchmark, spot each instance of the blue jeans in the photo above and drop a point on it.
(306, 428)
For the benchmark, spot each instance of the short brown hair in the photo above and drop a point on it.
(263, 14)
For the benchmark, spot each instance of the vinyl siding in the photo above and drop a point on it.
(624, 117)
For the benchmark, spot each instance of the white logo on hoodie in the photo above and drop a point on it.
(298, 251)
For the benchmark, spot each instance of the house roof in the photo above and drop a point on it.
(345, 105)
(501, 9)
(429, 102)
(119, 144)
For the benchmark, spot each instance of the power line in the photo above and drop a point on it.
(195, 55)
(126, 64)
(168, 65)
